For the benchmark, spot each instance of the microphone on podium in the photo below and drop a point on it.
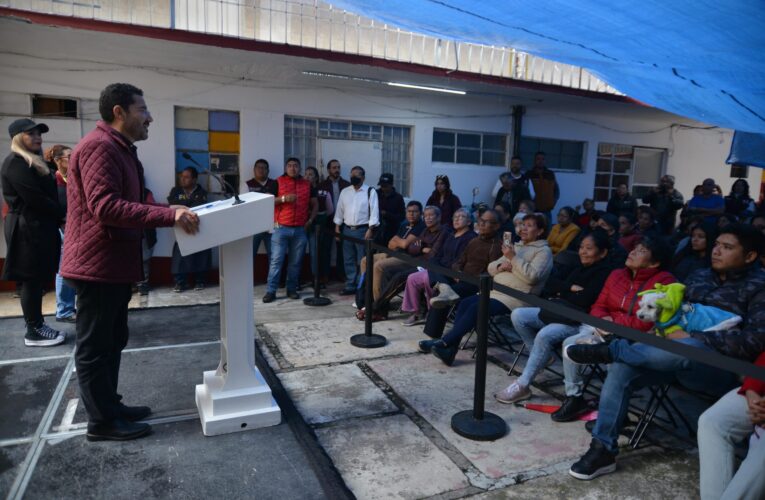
(220, 179)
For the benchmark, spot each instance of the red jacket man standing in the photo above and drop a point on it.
(102, 253)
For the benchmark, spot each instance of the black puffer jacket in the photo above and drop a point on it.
(742, 293)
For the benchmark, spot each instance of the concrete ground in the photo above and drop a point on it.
(374, 421)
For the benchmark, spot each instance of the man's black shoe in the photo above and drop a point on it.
(134, 413)
(572, 407)
(293, 295)
(117, 430)
(347, 291)
(589, 354)
(269, 297)
(444, 352)
(596, 462)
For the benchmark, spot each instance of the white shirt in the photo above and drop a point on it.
(356, 208)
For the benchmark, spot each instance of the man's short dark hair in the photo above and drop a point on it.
(329, 163)
(539, 153)
(748, 237)
(292, 158)
(414, 203)
(116, 94)
(516, 157)
(192, 170)
(360, 169)
(264, 162)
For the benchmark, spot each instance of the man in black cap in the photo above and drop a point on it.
(392, 209)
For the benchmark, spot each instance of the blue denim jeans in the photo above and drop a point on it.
(540, 340)
(466, 318)
(285, 240)
(721, 428)
(639, 365)
(65, 295)
(352, 254)
(266, 239)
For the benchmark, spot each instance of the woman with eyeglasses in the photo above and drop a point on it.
(523, 266)
(418, 284)
(31, 227)
(58, 156)
(443, 198)
(618, 302)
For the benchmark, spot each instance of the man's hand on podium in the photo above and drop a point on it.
(186, 219)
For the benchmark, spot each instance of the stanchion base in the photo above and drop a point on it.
(492, 426)
(317, 301)
(368, 341)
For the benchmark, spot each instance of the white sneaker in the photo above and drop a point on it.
(513, 393)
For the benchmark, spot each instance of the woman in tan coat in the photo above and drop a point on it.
(524, 266)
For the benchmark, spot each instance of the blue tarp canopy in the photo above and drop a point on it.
(703, 59)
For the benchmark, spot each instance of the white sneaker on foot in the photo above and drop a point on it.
(513, 393)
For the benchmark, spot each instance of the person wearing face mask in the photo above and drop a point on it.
(31, 227)
(358, 213)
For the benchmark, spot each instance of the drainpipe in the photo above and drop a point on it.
(517, 115)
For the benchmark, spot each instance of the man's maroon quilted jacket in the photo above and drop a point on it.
(105, 213)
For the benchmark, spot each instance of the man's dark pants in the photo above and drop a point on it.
(102, 334)
(435, 322)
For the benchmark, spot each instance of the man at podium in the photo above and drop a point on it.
(106, 216)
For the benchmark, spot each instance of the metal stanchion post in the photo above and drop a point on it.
(477, 424)
(367, 339)
(317, 300)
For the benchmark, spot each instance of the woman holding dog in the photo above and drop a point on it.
(617, 302)
(542, 331)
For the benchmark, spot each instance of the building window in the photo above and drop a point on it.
(638, 168)
(473, 148)
(54, 107)
(560, 155)
(211, 139)
(302, 135)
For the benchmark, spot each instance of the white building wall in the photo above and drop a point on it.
(693, 154)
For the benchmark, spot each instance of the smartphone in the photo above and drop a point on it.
(508, 238)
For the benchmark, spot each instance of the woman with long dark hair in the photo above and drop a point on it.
(738, 202)
(326, 207)
(697, 253)
(31, 227)
(443, 198)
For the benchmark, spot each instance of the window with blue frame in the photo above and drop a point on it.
(211, 138)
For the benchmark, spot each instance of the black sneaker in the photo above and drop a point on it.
(43, 336)
(199, 286)
(572, 407)
(269, 297)
(589, 354)
(117, 430)
(427, 345)
(348, 291)
(293, 295)
(143, 289)
(596, 462)
(67, 319)
(179, 287)
(444, 352)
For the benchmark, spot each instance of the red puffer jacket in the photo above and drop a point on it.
(105, 213)
(615, 299)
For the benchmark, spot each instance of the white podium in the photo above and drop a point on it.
(234, 397)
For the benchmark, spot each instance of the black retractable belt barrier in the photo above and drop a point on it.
(368, 340)
(317, 299)
(476, 423)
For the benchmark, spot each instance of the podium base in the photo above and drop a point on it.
(490, 428)
(224, 412)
